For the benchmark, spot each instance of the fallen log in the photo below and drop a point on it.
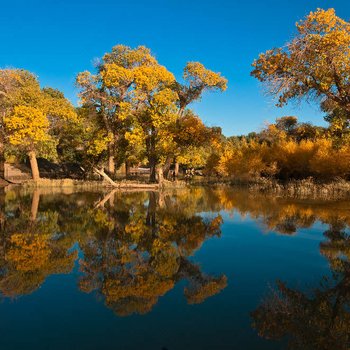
(123, 184)
(105, 176)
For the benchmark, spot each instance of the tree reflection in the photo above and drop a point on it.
(134, 246)
(319, 319)
(144, 252)
(32, 247)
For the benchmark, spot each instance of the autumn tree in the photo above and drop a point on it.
(314, 65)
(31, 114)
(112, 91)
(197, 79)
(17, 87)
(152, 107)
(28, 129)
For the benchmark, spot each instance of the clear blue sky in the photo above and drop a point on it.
(57, 39)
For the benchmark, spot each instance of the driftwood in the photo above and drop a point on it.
(123, 184)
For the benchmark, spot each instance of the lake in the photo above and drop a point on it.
(187, 269)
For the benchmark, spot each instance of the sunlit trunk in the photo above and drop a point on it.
(34, 165)
(161, 199)
(111, 162)
(176, 171)
(160, 175)
(111, 165)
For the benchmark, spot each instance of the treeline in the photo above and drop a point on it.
(133, 111)
(314, 65)
(283, 150)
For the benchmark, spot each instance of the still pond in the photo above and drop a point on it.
(191, 269)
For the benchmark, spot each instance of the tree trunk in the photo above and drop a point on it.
(111, 163)
(105, 176)
(34, 165)
(176, 171)
(152, 168)
(160, 175)
(166, 166)
(2, 160)
(2, 209)
(127, 168)
(152, 156)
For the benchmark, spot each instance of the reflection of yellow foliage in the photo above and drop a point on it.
(198, 294)
(143, 286)
(28, 252)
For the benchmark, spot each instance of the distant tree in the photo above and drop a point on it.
(287, 124)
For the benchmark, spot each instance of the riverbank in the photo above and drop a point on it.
(87, 185)
(306, 188)
(90, 185)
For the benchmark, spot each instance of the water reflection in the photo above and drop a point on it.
(31, 247)
(135, 247)
(143, 251)
(318, 318)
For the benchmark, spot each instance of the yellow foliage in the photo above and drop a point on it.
(198, 75)
(27, 127)
(314, 64)
(99, 143)
(285, 158)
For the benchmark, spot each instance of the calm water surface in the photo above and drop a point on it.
(186, 270)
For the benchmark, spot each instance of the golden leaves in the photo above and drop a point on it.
(27, 126)
(321, 21)
(198, 75)
(115, 76)
(315, 64)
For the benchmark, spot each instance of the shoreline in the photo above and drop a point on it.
(306, 188)
(82, 184)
